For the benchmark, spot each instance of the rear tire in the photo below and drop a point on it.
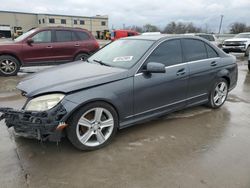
(93, 126)
(218, 94)
(9, 65)
(81, 56)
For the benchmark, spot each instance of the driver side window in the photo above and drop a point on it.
(42, 37)
(168, 53)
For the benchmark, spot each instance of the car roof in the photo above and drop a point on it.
(160, 37)
(125, 30)
(61, 28)
(198, 34)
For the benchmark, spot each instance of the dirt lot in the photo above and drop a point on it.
(197, 147)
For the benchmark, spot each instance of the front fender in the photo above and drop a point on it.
(119, 94)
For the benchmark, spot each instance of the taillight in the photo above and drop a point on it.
(97, 46)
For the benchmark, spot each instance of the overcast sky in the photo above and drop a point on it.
(203, 13)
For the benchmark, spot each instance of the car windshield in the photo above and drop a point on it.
(121, 53)
(242, 36)
(23, 36)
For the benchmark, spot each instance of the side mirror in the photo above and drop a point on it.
(153, 67)
(30, 41)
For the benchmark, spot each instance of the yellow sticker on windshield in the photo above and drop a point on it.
(123, 58)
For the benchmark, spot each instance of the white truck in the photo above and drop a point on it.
(240, 43)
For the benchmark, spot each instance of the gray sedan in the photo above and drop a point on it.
(131, 80)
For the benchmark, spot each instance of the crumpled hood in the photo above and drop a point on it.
(237, 39)
(69, 77)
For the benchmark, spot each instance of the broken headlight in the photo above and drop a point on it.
(43, 103)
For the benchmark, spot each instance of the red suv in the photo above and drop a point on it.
(45, 46)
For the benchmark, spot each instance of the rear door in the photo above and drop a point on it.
(84, 43)
(202, 60)
(65, 46)
(161, 92)
(41, 50)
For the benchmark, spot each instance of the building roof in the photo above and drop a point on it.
(93, 17)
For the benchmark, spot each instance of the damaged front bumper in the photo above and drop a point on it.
(39, 125)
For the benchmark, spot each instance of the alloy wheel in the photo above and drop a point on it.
(220, 93)
(95, 127)
(7, 66)
(82, 58)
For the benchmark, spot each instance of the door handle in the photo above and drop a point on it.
(213, 64)
(181, 72)
(49, 47)
(77, 45)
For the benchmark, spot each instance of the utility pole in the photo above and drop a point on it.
(221, 19)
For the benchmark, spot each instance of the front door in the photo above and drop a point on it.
(41, 50)
(162, 92)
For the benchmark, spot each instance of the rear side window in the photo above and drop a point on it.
(82, 35)
(169, 53)
(74, 36)
(42, 37)
(63, 36)
(208, 37)
(194, 50)
(211, 53)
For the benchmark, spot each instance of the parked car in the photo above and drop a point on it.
(210, 37)
(240, 43)
(117, 34)
(46, 46)
(131, 80)
(222, 37)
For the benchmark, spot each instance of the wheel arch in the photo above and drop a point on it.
(69, 116)
(13, 55)
(81, 52)
(225, 74)
(227, 79)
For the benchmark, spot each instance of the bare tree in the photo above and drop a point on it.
(238, 27)
(150, 28)
(136, 28)
(179, 28)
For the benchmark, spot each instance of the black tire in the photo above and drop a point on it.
(212, 103)
(249, 66)
(247, 51)
(12, 63)
(73, 126)
(81, 56)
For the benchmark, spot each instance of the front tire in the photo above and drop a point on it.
(92, 126)
(218, 94)
(9, 65)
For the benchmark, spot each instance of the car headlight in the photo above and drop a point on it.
(44, 102)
